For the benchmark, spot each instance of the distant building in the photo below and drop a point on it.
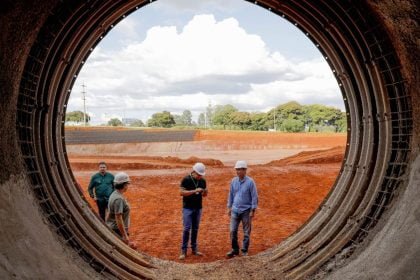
(71, 123)
(129, 121)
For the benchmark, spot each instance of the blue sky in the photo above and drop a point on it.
(175, 55)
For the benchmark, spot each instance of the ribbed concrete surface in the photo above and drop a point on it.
(30, 248)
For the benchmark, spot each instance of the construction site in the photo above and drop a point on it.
(293, 172)
(343, 208)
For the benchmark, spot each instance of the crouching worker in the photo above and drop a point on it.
(119, 209)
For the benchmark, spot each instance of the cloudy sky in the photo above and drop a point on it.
(175, 55)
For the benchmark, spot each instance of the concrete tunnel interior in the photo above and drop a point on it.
(367, 228)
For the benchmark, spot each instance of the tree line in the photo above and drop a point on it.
(288, 117)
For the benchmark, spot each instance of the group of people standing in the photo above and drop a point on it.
(108, 192)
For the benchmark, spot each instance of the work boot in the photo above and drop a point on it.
(182, 256)
(232, 253)
(197, 253)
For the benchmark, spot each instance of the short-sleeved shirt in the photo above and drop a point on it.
(101, 185)
(194, 201)
(118, 205)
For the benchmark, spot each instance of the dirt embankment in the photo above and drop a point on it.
(274, 139)
(333, 155)
(81, 163)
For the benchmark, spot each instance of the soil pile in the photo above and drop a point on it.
(333, 155)
(81, 163)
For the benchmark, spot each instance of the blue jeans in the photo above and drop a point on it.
(191, 220)
(235, 219)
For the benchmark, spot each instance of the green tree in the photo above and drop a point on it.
(292, 125)
(321, 116)
(137, 123)
(222, 115)
(178, 119)
(115, 122)
(76, 116)
(241, 119)
(259, 121)
(341, 123)
(318, 114)
(209, 115)
(292, 109)
(163, 119)
(201, 119)
(186, 118)
(288, 111)
(291, 117)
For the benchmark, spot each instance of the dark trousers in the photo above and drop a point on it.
(191, 220)
(102, 206)
(235, 219)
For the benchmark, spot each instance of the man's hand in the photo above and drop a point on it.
(132, 245)
(229, 212)
(252, 214)
(200, 190)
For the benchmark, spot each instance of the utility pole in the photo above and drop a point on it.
(84, 103)
(275, 128)
(209, 113)
(205, 119)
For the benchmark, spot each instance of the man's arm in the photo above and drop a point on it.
(230, 199)
(112, 181)
(91, 187)
(184, 192)
(204, 190)
(117, 209)
(124, 234)
(254, 199)
(121, 227)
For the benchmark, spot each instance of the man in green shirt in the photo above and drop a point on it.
(100, 188)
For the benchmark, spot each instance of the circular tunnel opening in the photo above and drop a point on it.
(379, 114)
(157, 160)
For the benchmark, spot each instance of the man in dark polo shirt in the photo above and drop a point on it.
(100, 188)
(193, 189)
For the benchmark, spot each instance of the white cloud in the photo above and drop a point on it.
(127, 28)
(206, 61)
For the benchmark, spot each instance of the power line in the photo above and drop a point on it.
(84, 102)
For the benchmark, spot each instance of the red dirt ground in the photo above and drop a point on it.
(290, 191)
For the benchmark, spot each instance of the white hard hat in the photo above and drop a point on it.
(121, 178)
(241, 164)
(199, 168)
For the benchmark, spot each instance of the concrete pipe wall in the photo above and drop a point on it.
(367, 228)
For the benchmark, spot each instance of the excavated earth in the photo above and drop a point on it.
(291, 181)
